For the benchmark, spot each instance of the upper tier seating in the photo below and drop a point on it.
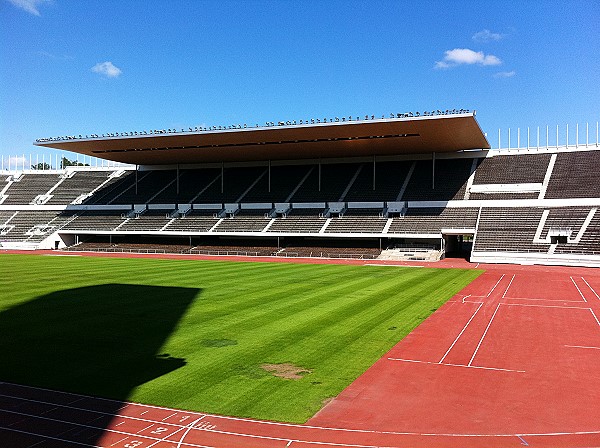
(389, 178)
(81, 183)
(28, 187)
(575, 175)
(512, 169)
(451, 176)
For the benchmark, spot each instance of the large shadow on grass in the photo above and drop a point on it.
(100, 340)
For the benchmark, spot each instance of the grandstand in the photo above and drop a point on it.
(404, 187)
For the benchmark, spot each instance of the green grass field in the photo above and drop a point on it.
(194, 334)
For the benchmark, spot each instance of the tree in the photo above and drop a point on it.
(64, 162)
(41, 166)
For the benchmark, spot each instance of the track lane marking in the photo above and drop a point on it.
(595, 317)
(578, 290)
(582, 346)
(592, 289)
(462, 331)
(456, 365)
(510, 283)
(484, 333)
(494, 287)
(189, 428)
(47, 437)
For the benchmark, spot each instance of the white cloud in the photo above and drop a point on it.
(487, 36)
(16, 161)
(31, 6)
(505, 74)
(465, 56)
(107, 69)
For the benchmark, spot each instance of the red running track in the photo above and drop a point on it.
(512, 360)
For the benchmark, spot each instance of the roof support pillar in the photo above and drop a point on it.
(269, 176)
(136, 180)
(319, 174)
(177, 180)
(374, 173)
(222, 177)
(433, 170)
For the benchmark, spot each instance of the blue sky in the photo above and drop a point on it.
(81, 67)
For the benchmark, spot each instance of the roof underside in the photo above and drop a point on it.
(445, 133)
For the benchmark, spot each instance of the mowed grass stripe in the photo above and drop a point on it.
(218, 322)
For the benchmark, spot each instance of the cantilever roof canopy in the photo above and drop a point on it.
(394, 136)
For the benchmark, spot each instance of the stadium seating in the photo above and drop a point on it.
(539, 203)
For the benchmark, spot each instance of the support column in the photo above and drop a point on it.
(319, 174)
(136, 180)
(269, 176)
(177, 180)
(433, 171)
(222, 177)
(374, 173)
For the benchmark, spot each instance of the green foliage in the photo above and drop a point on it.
(41, 166)
(64, 162)
(194, 334)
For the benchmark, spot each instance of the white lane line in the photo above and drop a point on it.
(149, 426)
(120, 423)
(47, 437)
(456, 365)
(594, 432)
(590, 286)
(583, 346)
(547, 306)
(119, 441)
(579, 290)
(112, 414)
(175, 413)
(547, 300)
(145, 412)
(189, 428)
(595, 317)
(289, 443)
(460, 334)
(506, 290)
(484, 333)
(492, 290)
(166, 436)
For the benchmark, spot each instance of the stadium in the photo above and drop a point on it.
(344, 223)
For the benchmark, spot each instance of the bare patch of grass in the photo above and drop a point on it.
(286, 370)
